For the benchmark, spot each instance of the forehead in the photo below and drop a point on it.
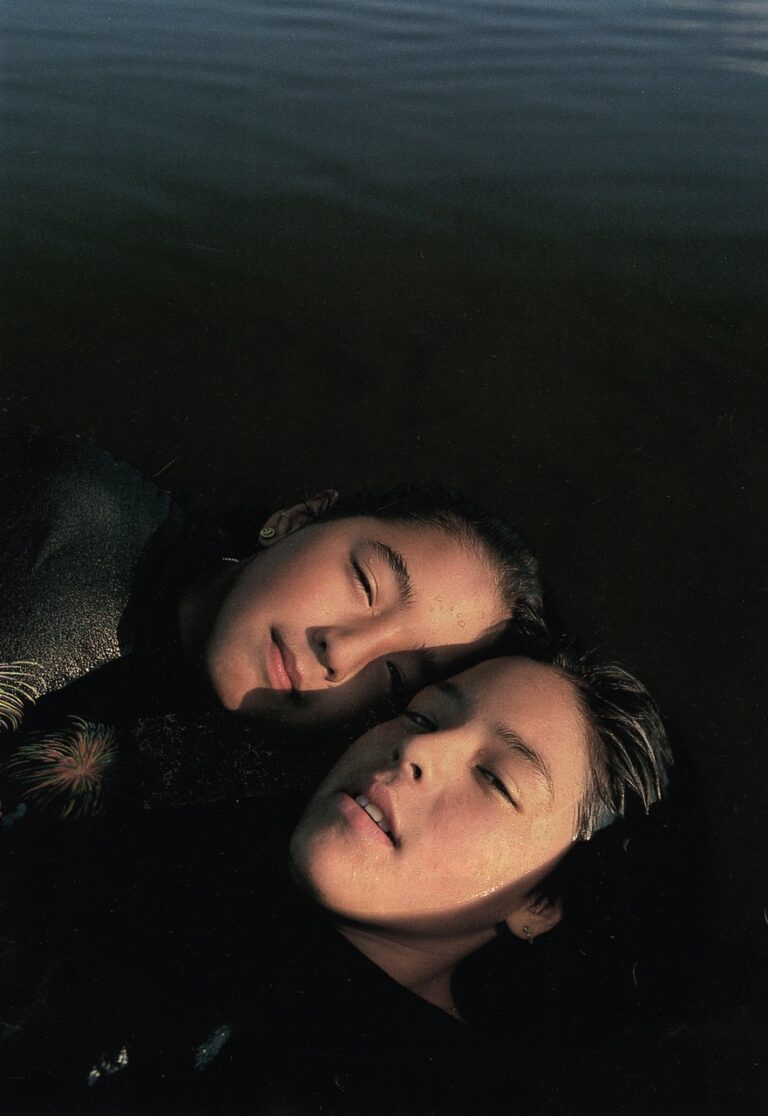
(452, 591)
(536, 703)
(430, 551)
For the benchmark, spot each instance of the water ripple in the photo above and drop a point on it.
(248, 97)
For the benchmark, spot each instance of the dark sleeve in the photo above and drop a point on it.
(73, 525)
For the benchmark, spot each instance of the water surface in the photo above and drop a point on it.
(263, 247)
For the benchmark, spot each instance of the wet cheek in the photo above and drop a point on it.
(540, 829)
(548, 837)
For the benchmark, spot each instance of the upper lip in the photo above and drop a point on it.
(289, 660)
(379, 795)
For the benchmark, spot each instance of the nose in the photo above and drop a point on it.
(409, 767)
(428, 758)
(343, 652)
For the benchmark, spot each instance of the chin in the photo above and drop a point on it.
(230, 700)
(232, 687)
(300, 860)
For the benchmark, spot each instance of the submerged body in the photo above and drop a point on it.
(430, 843)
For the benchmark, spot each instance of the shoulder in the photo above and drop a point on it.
(53, 476)
(74, 523)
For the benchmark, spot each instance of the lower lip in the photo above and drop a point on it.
(276, 672)
(361, 822)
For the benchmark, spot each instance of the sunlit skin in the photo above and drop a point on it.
(349, 615)
(479, 782)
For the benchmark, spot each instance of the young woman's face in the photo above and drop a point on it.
(448, 814)
(340, 617)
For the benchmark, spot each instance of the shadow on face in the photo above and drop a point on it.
(441, 820)
(349, 616)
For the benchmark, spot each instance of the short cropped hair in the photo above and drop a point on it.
(628, 749)
(515, 567)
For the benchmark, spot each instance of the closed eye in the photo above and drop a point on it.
(363, 581)
(495, 782)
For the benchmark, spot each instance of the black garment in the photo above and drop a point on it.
(91, 557)
(274, 1013)
(94, 560)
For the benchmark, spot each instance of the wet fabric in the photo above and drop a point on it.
(273, 1012)
(231, 994)
(113, 720)
(94, 559)
(84, 545)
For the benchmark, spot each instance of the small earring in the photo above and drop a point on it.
(527, 934)
(267, 533)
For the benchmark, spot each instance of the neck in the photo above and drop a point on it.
(423, 965)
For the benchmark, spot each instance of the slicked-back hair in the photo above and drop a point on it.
(515, 568)
(628, 749)
(628, 761)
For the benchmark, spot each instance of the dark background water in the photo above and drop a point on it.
(260, 248)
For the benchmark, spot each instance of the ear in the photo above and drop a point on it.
(284, 522)
(532, 920)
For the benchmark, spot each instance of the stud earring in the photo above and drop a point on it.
(527, 934)
(267, 533)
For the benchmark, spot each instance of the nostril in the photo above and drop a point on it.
(318, 641)
(416, 771)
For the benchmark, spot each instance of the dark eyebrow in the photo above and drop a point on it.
(396, 563)
(516, 744)
(510, 739)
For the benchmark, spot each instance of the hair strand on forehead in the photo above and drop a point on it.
(628, 748)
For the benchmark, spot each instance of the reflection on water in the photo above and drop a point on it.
(606, 112)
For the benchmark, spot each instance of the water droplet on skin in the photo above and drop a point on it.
(461, 623)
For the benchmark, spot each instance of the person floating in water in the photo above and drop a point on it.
(125, 606)
(437, 835)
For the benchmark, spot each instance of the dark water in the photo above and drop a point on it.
(265, 247)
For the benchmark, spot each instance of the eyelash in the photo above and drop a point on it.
(363, 581)
(495, 782)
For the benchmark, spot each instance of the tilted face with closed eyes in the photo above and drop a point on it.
(457, 807)
(338, 617)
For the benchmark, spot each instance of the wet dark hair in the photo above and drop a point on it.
(513, 563)
(628, 747)
(629, 752)
(618, 885)
(629, 758)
